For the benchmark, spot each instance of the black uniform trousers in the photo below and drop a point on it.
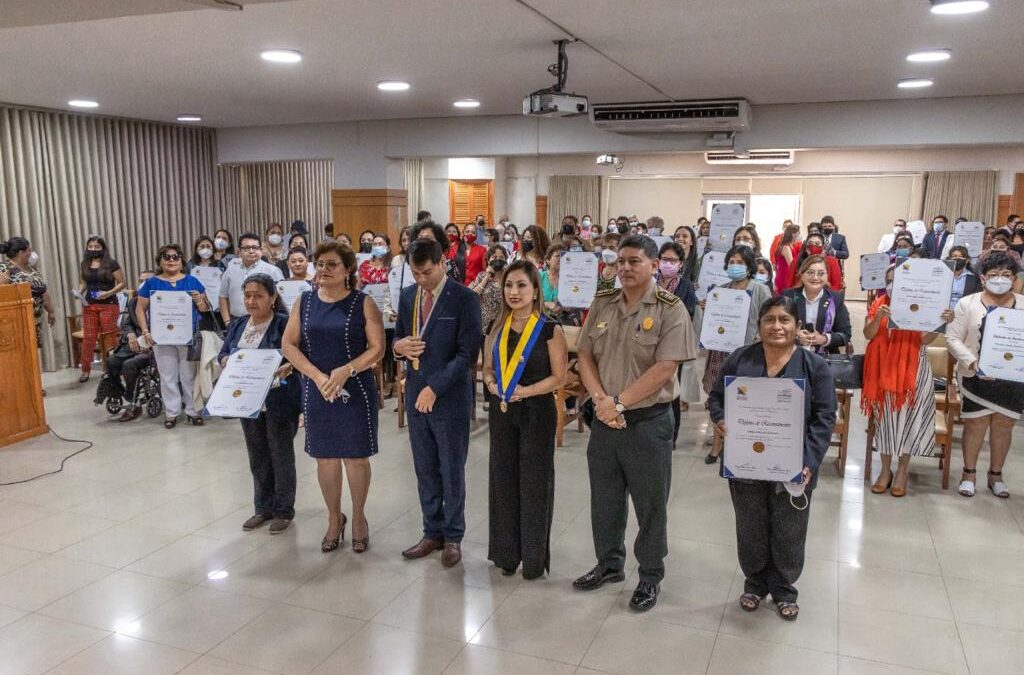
(522, 483)
(770, 537)
(270, 440)
(635, 462)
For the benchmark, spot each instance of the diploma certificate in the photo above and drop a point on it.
(918, 229)
(872, 271)
(244, 383)
(971, 235)
(1002, 346)
(725, 320)
(764, 428)
(290, 290)
(920, 293)
(725, 220)
(712, 273)
(577, 279)
(380, 293)
(170, 317)
(209, 277)
(399, 278)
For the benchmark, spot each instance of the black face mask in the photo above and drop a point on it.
(568, 228)
(1019, 248)
(829, 230)
(527, 246)
(498, 264)
(94, 254)
(365, 247)
(958, 264)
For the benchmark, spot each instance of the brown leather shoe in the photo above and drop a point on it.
(130, 413)
(423, 548)
(452, 554)
(255, 522)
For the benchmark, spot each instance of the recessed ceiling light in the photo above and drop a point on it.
(281, 55)
(393, 85)
(929, 56)
(189, 118)
(958, 6)
(83, 103)
(918, 83)
(467, 103)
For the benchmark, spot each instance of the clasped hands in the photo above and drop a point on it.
(518, 394)
(604, 408)
(811, 338)
(332, 386)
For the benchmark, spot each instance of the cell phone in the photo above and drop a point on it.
(809, 327)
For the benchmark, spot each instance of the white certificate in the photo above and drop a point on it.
(244, 383)
(725, 320)
(918, 230)
(1002, 346)
(920, 293)
(971, 235)
(872, 271)
(379, 294)
(399, 278)
(577, 279)
(712, 273)
(209, 277)
(725, 220)
(170, 317)
(764, 428)
(290, 290)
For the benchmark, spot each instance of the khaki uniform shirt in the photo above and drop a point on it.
(625, 343)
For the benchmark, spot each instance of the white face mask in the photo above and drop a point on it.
(796, 490)
(609, 256)
(275, 239)
(998, 285)
(205, 253)
(33, 258)
(586, 222)
(221, 243)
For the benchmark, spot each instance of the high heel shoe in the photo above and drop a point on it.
(360, 545)
(880, 489)
(328, 545)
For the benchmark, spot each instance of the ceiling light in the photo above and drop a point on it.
(281, 55)
(918, 83)
(189, 118)
(393, 85)
(467, 103)
(950, 7)
(83, 103)
(929, 56)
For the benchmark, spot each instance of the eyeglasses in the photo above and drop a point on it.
(170, 257)
(1001, 274)
(327, 265)
(815, 273)
(248, 248)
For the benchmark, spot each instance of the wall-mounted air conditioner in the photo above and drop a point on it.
(773, 157)
(672, 116)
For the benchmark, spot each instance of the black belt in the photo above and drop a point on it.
(642, 414)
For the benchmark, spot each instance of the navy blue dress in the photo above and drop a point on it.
(334, 333)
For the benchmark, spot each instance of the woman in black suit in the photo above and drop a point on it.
(672, 277)
(823, 321)
(270, 438)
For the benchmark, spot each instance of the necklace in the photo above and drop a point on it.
(254, 330)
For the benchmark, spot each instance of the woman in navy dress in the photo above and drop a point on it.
(335, 335)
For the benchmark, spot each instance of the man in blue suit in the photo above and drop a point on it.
(438, 333)
(934, 244)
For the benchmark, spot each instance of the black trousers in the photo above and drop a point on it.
(270, 440)
(522, 483)
(127, 366)
(770, 537)
(635, 462)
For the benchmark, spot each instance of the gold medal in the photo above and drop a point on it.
(415, 363)
(416, 325)
(504, 407)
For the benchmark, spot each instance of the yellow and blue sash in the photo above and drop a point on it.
(509, 371)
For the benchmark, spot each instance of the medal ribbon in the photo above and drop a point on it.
(509, 371)
(416, 314)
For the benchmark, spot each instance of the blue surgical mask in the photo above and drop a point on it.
(744, 244)
(737, 272)
(761, 277)
(903, 253)
(938, 227)
(575, 249)
(379, 251)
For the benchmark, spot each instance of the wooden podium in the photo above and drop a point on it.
(22, 414)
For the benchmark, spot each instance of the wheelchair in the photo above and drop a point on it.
(111, 394)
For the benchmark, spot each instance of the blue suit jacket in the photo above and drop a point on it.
(839, 248)
(928, 245)
(453, 338)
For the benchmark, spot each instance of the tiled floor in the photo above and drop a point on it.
(133, 561)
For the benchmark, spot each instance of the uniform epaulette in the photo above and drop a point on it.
(608, 293)
(666, 297)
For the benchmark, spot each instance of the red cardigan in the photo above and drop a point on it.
(476, 260)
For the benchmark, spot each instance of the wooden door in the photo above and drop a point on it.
(467, 198)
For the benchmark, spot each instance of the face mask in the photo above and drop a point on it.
(575, 249)
(736, 272)
(206, 253)
(998, 285)
(829, 230)
(668, 269)
(508, 236)
(902, 252)
(527, 246)
(761, 277)
(379, 251)
(94, 254)
(275, 239)
(453, 237)
(938, 227)
(654, 232)
(958, 264)
(470, 238)
(744, 244)
(33, 258)
(586, 222)
(497, 264)
(796, 490)
(609, 256)
(1019, 248)
(897, 228)
(365, 246)
(634, 223)
(220, 243)
(814, 249)
(612, 228)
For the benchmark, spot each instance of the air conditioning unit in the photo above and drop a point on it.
(672, 116)
(774, 157)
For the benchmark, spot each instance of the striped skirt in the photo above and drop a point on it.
(909, 430)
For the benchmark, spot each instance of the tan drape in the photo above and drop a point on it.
(259, 193)
(572, 195)
(137, 184)
(414, 186)
(971, 194)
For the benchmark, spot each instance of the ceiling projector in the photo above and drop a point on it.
(555, 101)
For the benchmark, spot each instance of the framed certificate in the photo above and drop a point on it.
(725, 320)
(971, 235)
(290, 290)
(921, 290)
(577, 279)
(1002, 346)
(712, 273)
(244, 383)
(764, 428)
(170, 317)
(872, 271)
(725, 220)
(209, 277)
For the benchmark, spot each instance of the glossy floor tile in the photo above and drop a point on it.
(133, 560)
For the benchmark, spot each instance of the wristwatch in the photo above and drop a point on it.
(619, 407)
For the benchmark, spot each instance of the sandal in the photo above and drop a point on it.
(997, 486)
(966, 487)
(880, 489)
(711, 458)
(749, 602)
(789, 611)
(360, 545)
(170, 422)
(196, 421)
(328, 545)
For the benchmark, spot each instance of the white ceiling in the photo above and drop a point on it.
(189, 59)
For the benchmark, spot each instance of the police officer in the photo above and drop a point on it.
(630, 346)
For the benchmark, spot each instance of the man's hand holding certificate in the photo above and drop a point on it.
(920, 294)
(244, 383)
(764, 428)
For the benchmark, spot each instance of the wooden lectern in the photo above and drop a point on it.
(21, 389)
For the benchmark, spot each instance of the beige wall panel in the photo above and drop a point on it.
(677, 200)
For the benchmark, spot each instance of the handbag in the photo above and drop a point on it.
(195, 348)
(847, 370)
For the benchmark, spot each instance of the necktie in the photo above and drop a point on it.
(938, 245)
(428, 304)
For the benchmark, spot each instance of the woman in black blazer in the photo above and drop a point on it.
(269, 438)
(672, 277)
(831, 330)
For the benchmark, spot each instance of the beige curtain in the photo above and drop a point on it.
(257, 194)
(414, 186)
(137, 184)
(572, 195)
(971, 194)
